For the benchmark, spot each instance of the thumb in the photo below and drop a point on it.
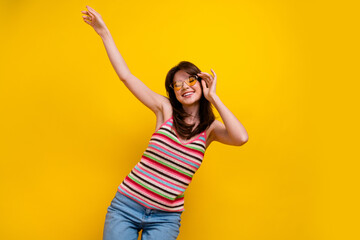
(203, 84)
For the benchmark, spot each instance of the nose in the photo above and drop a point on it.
(185, 85)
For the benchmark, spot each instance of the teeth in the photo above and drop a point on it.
(186, 94)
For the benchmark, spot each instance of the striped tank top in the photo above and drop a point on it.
(165, 170)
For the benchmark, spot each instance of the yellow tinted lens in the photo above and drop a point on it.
(191, 81)
(177, 85)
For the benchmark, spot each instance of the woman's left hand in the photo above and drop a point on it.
(208, 85)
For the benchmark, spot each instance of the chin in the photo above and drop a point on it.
(191, 101)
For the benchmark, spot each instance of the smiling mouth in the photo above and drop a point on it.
(188, 94)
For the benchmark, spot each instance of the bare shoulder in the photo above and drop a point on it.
(166, 108)
(164, 113)
(210, 132)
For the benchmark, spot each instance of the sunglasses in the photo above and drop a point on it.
(190, 82)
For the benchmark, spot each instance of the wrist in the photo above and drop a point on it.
(214, 99)
(104, 33)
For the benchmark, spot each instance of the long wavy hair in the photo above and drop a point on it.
(206, 114)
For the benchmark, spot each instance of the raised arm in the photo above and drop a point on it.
(232, 132)
(148, 97)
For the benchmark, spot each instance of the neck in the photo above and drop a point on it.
(193, 110)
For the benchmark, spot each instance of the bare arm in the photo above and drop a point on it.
(232, 132)
(114, 55)
(148, 97)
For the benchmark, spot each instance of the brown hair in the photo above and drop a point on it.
(183, 129)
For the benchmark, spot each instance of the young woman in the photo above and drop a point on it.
(151, 197)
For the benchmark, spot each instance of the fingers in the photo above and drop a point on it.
(91, 10)
(86, 17)
(89, 16)
(205, 75)
(213, 73)
(204, 84)
(86, 13)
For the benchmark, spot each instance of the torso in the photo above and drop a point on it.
(167, 112)
(166, 168)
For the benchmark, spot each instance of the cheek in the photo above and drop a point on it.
(199, 89)
(177, 95)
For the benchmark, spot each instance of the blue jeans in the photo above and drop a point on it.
(125, 218)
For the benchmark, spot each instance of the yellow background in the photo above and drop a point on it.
(71, 131)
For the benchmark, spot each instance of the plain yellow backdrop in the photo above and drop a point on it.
(71, 131)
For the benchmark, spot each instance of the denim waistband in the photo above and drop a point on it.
(130, 202)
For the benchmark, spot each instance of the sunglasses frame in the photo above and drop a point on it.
(196, 77)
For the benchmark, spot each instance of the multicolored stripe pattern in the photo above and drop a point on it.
(165, 170)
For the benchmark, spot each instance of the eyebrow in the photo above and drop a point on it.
(185, 79)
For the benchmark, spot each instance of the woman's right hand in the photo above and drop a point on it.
(95, 20)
